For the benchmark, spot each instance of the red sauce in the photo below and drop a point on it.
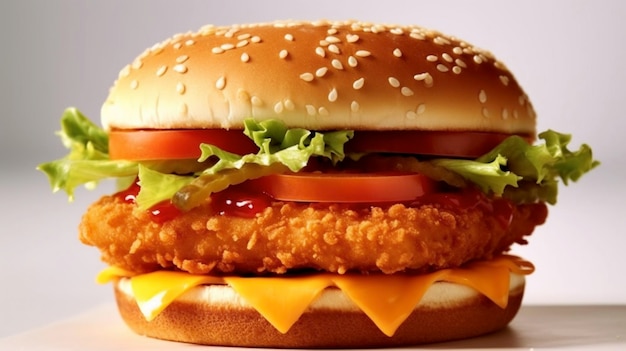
(160, 213)
(239, 202)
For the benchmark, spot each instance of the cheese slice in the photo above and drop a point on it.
(386, 299)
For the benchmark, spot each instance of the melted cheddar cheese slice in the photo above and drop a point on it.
(386, 299)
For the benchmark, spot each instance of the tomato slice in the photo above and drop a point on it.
(344, 187)
(175, 144)
(438, 143)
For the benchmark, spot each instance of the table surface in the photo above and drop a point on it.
(535, 328)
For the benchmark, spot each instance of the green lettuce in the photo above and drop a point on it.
(533, 169)
(88, 160)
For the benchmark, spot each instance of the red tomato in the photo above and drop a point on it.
(184, 143)
(436, 143)
(175, 144)
(344, 187)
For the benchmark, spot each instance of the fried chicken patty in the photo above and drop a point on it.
(290, 236)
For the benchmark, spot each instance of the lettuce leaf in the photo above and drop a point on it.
(537, 166)
(88, 160)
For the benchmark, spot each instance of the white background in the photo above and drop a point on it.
(570, 56)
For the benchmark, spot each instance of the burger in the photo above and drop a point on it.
(315, 184)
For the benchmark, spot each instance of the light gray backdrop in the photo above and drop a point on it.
(569, 56)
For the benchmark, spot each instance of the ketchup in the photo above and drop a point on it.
(234, 201)
(160, 213)
(239, 202)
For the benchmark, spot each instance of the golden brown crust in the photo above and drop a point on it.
(201, 323)
(289, 236)
(321, 75)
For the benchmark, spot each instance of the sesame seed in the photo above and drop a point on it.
(183, 109)
(322, 111)
(515, 114)
(397, 31)
(220, 83)
(426, 77)
(278, 107)
(432, 58)
(460, 63)
(332, 31)
(504, 80)
(352, 38)
(307, 77)
(456, 69)
(406, 91)
(354, 106)
(288, 37)
(177, 45)
(362, 53)
(482, 96)
(227, 46)
(283, 53)
(182, 58)
(161, 71)
(337, 64)
(180, 88)
(441, 40)
(190, 42)
(321, 72)
(332, 39)
(255, 39)
(245, 57)
(242, 43)
(457, 50)
(478, 59)
(416, 35)
(134, 84)
(442, 68)
(352, 62)
(243, 36)
(332, 95)
(217, 50)
(421, 108)
(485, 112)
(320, 51)
(358, 84)
(334, 49)
(256, 101)
(137, 64)
(324, 43)
(447, 57)
(124, 72)
(180, 68)
(397, 52)
(311, 110)
(393, 81)
(521, 100)
(505, 113)
(411, 115)
(289, 105)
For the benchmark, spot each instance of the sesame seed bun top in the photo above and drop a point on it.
(318, 75)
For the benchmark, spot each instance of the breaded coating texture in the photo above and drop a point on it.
(289, 236)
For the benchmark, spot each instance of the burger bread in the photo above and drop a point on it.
(319, 76)
(314, 271)
(216, 315)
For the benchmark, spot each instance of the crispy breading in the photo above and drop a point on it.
(291, 236)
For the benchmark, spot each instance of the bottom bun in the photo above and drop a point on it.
(216, 315)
